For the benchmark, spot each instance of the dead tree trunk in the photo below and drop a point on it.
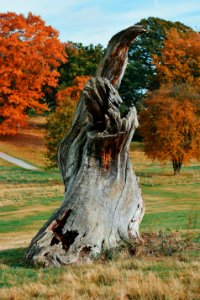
(103, 203)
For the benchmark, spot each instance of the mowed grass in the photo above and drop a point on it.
(27, 199)
(172, 202)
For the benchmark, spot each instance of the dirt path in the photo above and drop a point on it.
(17, 162)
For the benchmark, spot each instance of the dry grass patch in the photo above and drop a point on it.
(130, 279)
(15, 240)
(28, 195)
(27, 211)
(28, 144)
(136, 286)
(4, 163)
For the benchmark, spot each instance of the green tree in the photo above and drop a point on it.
(59, 121)
(141, 74)
(81, 61)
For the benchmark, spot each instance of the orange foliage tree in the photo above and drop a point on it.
(170, 126)
(180, 58)
(170, 122)
(59, 121)
(73, 92)
(30, 54)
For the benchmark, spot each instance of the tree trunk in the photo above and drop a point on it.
(103, 203)
(176, 166)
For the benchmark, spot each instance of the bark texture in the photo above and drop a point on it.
(103, 202)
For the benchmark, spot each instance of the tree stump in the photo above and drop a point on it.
(103, 202)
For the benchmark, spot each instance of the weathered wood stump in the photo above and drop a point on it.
(103, 203)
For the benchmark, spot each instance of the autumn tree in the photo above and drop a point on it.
(180, 58)
(59, 121)
(30, 54)
(170, 122)
(170, 125)
(179, 63)
(73, 91)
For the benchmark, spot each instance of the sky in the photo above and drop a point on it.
(96, 21)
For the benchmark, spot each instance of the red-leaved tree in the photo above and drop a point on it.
(30, 53)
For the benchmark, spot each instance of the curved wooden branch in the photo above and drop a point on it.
(115, 60)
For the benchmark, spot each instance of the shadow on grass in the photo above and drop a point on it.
(14, 258)
(14, 270)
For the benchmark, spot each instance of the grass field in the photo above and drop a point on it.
(165, 266)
